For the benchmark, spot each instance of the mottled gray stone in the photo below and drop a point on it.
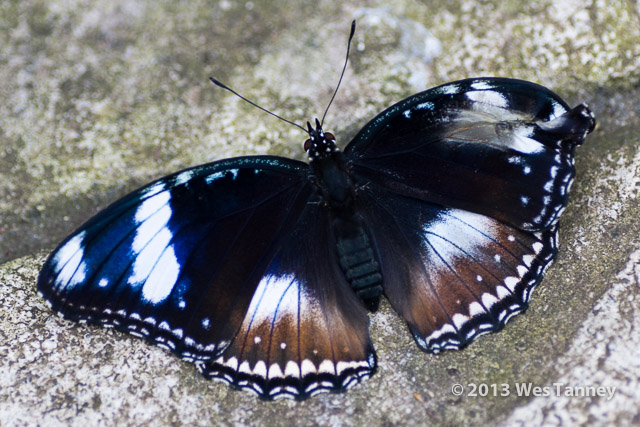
(98, 97)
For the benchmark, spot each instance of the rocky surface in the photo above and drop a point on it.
(99, 97)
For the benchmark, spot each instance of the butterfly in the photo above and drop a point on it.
(261, 269)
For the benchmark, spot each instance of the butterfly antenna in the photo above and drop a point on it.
(223, 86)
(353, 30)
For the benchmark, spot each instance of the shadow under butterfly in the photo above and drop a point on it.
(261, 269)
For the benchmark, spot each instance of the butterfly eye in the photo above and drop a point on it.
(330, 136)
(307, 145)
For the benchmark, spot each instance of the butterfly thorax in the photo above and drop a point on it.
(355, 252)
(329, 171)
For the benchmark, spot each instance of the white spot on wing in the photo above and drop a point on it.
(215, 176)
(522, 270)
(475, 309)
(154, 189)
(527, 260)
(522, 141)
(511, 282)
(447, 328)
(481, 85)
(537, 247)
(516, 160)
(425, 106)
(459, 320)
(184, 177)
(489, 97)
(558, 110)
(275, 371)
(151, 237)
(307, 367)
(326, 366)
(450, 89)
(260, 369)
(292, 369)
(502, 292)
(489, 300)
(244, 368)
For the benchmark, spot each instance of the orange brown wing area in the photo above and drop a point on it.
(305, 332)
(455, 275)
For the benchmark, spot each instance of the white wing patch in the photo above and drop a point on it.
(274, 293)
(490, 97)
(69, 264)
(458, 234)
(215, 176)
(184, 177)
(481, 85)
(163, 277)
(523, 142)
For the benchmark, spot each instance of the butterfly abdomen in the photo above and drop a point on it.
(358, 262)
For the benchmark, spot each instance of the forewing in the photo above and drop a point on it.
(453, 275)
(178, 261)
(305, 331)
(498, 147)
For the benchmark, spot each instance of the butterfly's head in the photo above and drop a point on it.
(320, 144)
